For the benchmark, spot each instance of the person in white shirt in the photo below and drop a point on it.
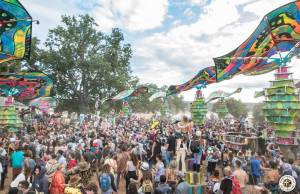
(181, 151)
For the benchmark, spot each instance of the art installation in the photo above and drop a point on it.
(164, 110)
(26, 85)
(204, 77)
(130, 93)
(44, 103)
(199, 109)
(15, 31)
(221, 108)
(282, 106)
(9, 119)
(279, 31)
(157, 95)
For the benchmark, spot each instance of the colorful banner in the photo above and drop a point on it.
(204, 77)
(279, 31)
(15, 31)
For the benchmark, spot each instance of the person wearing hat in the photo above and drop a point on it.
(182, 186)
(73, 185)
(85, 173)
(145, 179)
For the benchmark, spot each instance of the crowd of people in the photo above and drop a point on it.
(137, 156)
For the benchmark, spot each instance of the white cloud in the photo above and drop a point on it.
(132, 15)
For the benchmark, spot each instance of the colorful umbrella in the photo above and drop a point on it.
(15, 31)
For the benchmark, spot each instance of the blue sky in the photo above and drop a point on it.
(171, 39)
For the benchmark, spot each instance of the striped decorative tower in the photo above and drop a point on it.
(199, 109)
(221, 108)
(164, 110)
(282, 106)
(9, 120)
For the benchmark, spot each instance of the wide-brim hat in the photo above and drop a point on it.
(145, 166)
(74, 180)
(83, 166)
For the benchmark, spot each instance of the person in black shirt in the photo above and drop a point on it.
(171, 145)
(156, 148)
(226, 184)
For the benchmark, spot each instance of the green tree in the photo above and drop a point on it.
(257, 112)
(85, 64)
(236, 108)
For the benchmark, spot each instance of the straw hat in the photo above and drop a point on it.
(83, 166)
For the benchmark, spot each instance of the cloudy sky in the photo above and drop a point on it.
(171, 39)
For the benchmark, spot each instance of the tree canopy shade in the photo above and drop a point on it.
(84, 63)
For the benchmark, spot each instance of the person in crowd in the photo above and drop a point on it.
(256, 168)
(163, 187)
(213, 184)
(131, 169)
(51, 166)
(240, 157)
(107, 180)
(182, 186)
(4, 165)
(272, 177)
(122, 159)
(85, 172)
(17, 160)
(197, 151)
(57, 185)
(40, 180)
(171, 174)
(61, 158)
(133, 188)
(23, 187)
(171, 145)
(226, 183)
(241, 175)
(159, 169)
(212, 160)
(181, 152)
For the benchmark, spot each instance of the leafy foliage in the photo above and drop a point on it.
(258, 115)
(85, 64)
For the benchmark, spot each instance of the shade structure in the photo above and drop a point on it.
(9, 120)
(15, 31)
(282, 105)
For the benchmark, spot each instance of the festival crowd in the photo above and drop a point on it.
(137, 156)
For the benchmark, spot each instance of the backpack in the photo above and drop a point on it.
(147, 186)
(194, 146)
(236, 187)
(105, 182)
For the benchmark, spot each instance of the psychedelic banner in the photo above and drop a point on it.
(279, 31)
(204, 77)
(26, 85)
(15, 31)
